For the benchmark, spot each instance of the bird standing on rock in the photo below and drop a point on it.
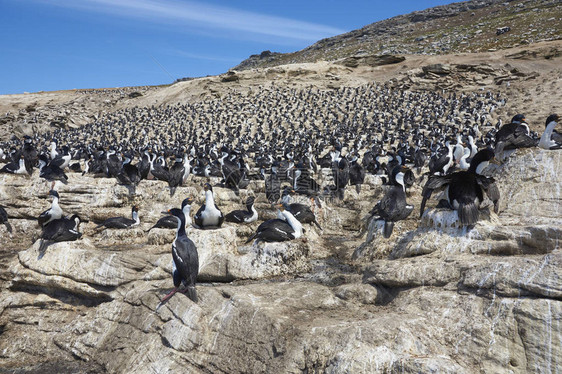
(4, 219)
(513, 135)
(185, 261)
(393, 206)
(465, 189)
(550, 139)
(53, 213)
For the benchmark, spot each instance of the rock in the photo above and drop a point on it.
(231, 76)
(439, 69)
(373, 61)
(502, 30)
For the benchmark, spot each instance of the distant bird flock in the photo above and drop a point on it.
(285, 137)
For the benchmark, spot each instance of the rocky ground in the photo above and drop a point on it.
(432, 298)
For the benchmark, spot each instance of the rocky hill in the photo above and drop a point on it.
(470, 26)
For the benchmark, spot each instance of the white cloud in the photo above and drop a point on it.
(194, 14)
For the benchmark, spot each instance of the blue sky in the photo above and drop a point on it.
(52, 45)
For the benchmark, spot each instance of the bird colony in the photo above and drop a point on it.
(297, 151)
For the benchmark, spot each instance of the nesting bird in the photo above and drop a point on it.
(243, 216)
(209, 215)
(59, 230)
(513, 135)
(278, 230)
(170, 221)
(122, 222)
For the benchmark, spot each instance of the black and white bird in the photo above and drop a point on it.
(122, 222)
(29, 152)
(53, 213)
(59, 230)
(51, 173)
(209, 215)
(393, 206)
(170, 222)
(243, 216)
(301, 212)
(356, 174)
(129, 174)
(185, 261)
(278, 230)
(550, 139)
(273, 184)
(465, 189)
(4, 219)
(61, 160)
(15, 167)
(442, 164)
(176, 175)
(513, 135)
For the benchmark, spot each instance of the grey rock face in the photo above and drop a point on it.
(429, 299)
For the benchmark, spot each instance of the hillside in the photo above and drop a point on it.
(456, 28)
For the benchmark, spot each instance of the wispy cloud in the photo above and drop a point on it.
(194, 14)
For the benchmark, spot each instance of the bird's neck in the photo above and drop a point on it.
(209, 198)
(136, 217)
(180, 231)
(295, 224)
(186, 213)
(55, 205)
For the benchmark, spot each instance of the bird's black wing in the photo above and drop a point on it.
(166, 222)
(438, 164)
(276, 231)
(197, 218)
(118, 223)
(236, 216)
(44, 217)
(186, 259)
(176, 175)
(556, 137)
(160, 173)
(434, 183)
(523, 141)
(490, 187)
(221, 217)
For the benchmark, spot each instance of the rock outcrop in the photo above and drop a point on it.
(429, 299)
